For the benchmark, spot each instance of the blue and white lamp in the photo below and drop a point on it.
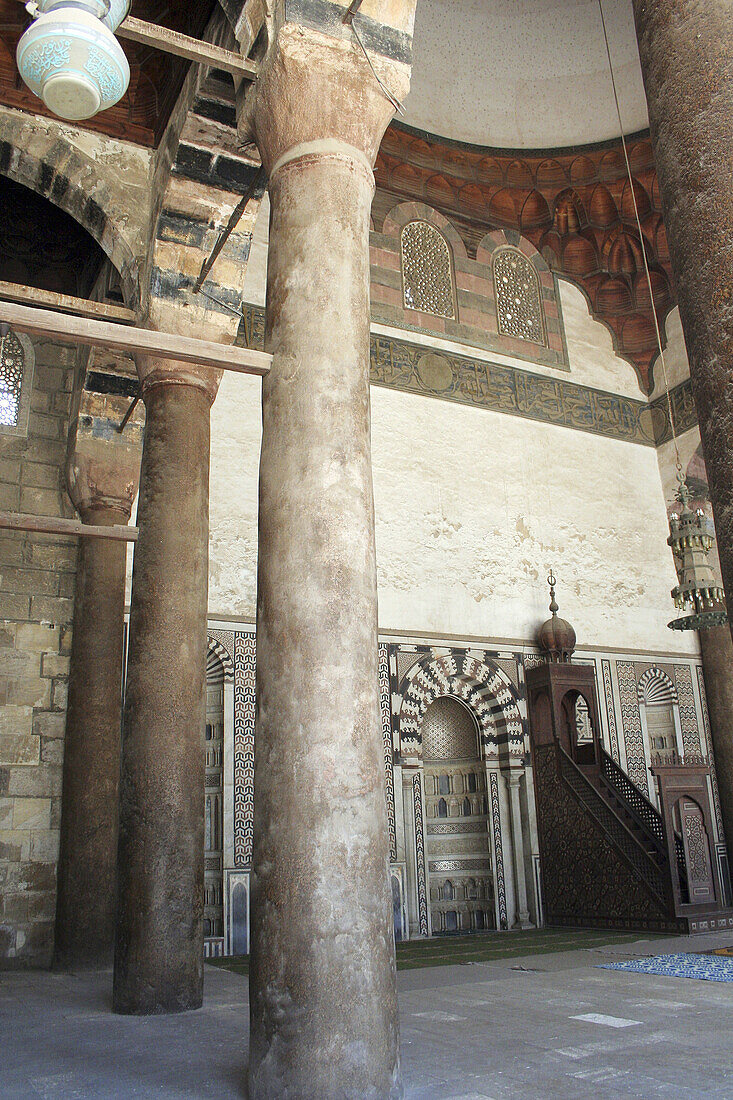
(70, 58)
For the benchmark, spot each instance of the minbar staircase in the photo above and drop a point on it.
(608, 857)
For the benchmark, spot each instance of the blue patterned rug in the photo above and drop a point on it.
(708, 968)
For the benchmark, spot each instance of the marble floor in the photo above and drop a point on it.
(533, 1027)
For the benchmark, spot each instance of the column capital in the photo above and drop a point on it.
(103, 468)
(166, 372)
(316, 97)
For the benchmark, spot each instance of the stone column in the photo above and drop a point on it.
(686, 51)
(717, 666)
(520, 884)
(322, 975)
(102, 478)
(159, 940)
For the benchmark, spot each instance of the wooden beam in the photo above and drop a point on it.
(67, 303)
(69, 329)
(162, 38)
(57, 525)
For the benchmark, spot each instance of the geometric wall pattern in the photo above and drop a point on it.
(707, 749)
(610, 710)
(631, 724)
(385, 710)
(688, 712)
(244, 745)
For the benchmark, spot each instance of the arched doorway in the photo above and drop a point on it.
(457, 838)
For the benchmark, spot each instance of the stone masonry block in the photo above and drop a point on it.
(38, 637)
(40, 782)
(59, 557)
(7, 805)
(52, 751)
(44, 845)
(59, 695)
(19, 749)
(54, 665)
(15, 606)
(41, 502)
(32, 813)
(49, 725)
(15, 846)
(29, 691)
(41, 475)
(50, 609)
(35, 582)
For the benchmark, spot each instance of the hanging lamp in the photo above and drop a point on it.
(70, 58)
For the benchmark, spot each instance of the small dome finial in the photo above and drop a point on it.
(552, 582)
(556, 637)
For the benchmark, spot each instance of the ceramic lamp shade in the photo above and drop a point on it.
(73, 62)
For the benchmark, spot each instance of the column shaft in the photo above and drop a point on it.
(322, 978)
(159, 943)
(686, 51)
(520, 883)
(89, 809)
(717, 666)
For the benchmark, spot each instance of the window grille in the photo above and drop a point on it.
(427, 273)
(518, 302)
(12, 360)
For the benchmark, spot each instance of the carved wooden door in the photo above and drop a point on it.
(697, 853)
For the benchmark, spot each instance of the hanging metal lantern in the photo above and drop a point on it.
(70, 58)
(692, 535)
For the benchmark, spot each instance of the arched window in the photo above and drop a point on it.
(518, 301)
(427, 272)
(448, 891)
(443, 784)
(16, 369)
(466, 807)
(472, 781)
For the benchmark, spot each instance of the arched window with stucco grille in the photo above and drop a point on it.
(427, 270)
(518, 300)
(16, 379)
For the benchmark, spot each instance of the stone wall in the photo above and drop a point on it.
(37, 578)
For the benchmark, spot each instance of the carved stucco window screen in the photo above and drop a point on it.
(16, 380)
(518, 299)
(428, 285)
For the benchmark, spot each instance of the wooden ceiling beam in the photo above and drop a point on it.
(58, 525)
(66, 303)
(193, 49)
(72, 329)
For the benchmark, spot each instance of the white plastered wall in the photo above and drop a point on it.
(473, 507)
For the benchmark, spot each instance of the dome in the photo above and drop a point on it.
(556, 637)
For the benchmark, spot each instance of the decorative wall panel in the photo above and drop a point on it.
(385, 711)
(708, 750)
(610, 710)
(244, 745)
(422, 887)
(688, 713)
(498, 851)
(631, 724)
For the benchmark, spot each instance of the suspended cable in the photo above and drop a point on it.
(643, 246)
(349, 19)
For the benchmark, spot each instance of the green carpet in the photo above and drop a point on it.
(482, 947)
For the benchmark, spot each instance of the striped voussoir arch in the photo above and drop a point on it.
(655, 688)
(484, 687)
(219, 664)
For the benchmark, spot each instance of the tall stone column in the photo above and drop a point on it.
(322, 976)
(520, 882)
(102, 477)
(159, 936)
(686, 51)
(717, 667)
